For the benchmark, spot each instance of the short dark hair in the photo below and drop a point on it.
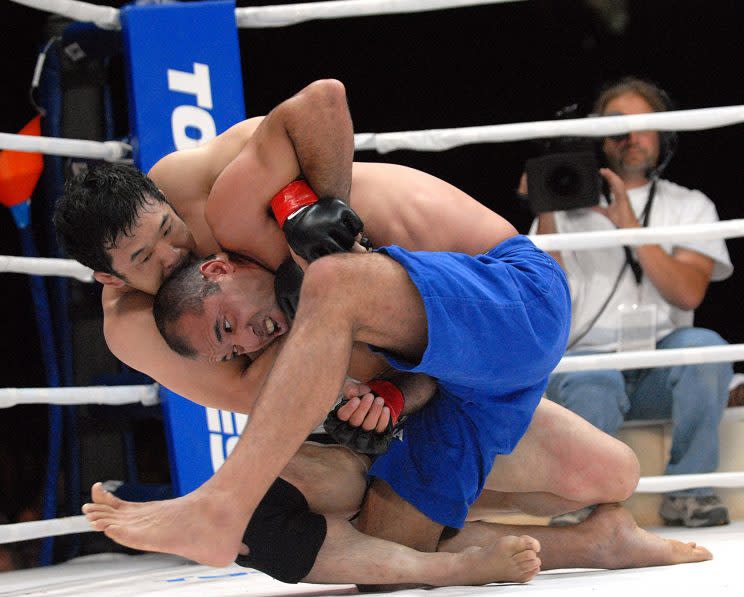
(98, 205)
(652, 93)
(183, 292)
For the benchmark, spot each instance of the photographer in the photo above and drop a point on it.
(644, 297)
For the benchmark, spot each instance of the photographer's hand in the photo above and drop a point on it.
(620, 211)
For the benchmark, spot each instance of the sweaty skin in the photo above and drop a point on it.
(228, 183)
(399, 205)
(209, 180)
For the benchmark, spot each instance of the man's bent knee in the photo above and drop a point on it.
(615, 480)
(611, 475)
(623, 480)
(340, 272)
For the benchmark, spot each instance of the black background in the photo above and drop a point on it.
(473, 66)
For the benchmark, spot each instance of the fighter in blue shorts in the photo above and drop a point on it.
(489, 328)
(497, 325)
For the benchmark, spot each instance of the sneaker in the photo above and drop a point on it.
(693, 511)
(571, 518)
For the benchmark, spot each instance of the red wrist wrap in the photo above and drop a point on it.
(392, 396)
(295, 195)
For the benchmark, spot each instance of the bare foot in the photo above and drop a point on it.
(508, 559)
(614, 540)
(193, 526)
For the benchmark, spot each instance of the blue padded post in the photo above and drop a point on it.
(184, 76)
(185, 87)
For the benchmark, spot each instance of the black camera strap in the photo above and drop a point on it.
(629, 259)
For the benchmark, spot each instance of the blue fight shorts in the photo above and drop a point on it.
(498, 324)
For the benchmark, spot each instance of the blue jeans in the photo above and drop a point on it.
(692, 396)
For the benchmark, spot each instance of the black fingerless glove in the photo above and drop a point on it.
(327, 226)
(287, 285)
(368, 442)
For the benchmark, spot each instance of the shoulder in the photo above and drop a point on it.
(191, 172)
(686, 205)
(677, 192)
(127, 316)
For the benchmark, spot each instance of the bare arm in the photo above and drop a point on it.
(186, 177)
(681, 278)
(133, 337)
(416, 387)
(309, 134)
(407, 207)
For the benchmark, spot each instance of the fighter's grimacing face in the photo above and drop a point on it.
(638, 152)
(241, 318)
(158, 243)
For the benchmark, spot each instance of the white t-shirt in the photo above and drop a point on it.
(592, 273)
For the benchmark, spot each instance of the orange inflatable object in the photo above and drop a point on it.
(20, 170)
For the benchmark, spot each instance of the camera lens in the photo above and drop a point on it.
(564, 181)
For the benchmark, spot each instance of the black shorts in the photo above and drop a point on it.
(283, 536)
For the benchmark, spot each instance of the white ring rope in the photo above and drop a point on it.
(267, 16)
(601, 239)
(291, 14)
(730, 414)
(443, 139)
(436, 139)
(25, 531)
(108, 395)
(666, 483)
(111, 151)
(148, 394)
(45, 266)
(575, 241)
(106, 17)
(646, 359)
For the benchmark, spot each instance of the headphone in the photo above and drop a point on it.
(668, 140)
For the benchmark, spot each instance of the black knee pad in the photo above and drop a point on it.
(283, 536)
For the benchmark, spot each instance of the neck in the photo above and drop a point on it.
(633, 181)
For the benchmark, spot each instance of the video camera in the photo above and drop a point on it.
(566, 175)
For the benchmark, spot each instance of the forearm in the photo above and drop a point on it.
(232, 386)
(132, 336)
(679, 283)
(283, 416)
(326, 158)
(417, 388)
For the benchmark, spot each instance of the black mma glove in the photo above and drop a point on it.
(287, 284)
(314, 227)
(368, 442)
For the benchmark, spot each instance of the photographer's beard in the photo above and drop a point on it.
(632, 162)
